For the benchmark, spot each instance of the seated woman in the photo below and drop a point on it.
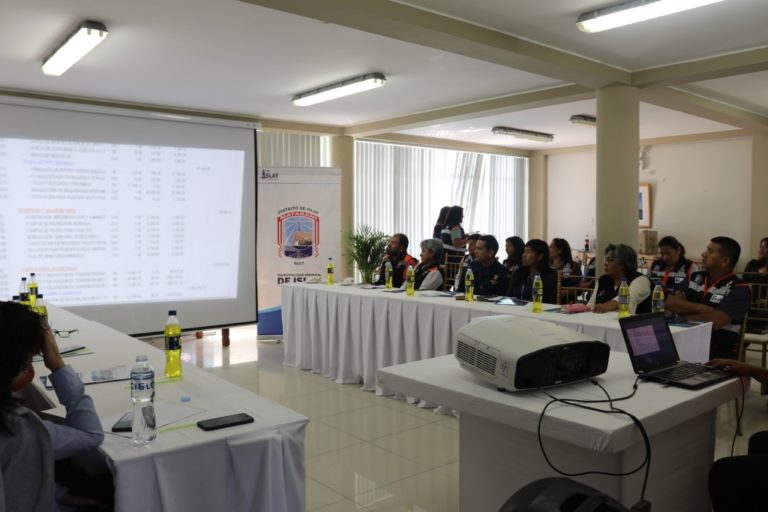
(561, 259)
(429, 274)
(760, 264)
(672, 268)
(621, 263)
(514, 247)
(535, 260)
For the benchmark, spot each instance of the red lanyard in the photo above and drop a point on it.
(706, 283)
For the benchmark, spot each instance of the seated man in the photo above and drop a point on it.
(468, 257)
(28, 446)
(397, 255)
(491, 278)
(715, 295)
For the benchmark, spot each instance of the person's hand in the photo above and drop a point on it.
(732, 365)
(674, 299)
(51, 356)
(605, 307)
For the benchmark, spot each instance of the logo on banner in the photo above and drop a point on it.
(266, 174)
(298, 232)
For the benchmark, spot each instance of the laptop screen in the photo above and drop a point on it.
(649, 342)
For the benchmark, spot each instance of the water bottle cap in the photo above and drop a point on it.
(32, 274)
(538, 274)
(39, 296)
(141, 358)
(23, 278)
(329, 259)
(171, 312)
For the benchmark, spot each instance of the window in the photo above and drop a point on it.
(402, 188)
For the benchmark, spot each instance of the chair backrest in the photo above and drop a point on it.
(757, 316)
(580, 293)
(452, 264)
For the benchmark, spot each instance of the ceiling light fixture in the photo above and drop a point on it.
(84, 39)
(634, 12)
(523, 134)
(584, 119)
(339, 89)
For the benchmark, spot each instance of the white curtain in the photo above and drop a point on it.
(278, 149)
(402, 188)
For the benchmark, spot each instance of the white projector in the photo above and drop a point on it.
(523, 353)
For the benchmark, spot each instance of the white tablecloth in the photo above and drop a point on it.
(346, 333)
(499, 430)
(253, 467)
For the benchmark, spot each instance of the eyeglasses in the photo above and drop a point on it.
(64, 334)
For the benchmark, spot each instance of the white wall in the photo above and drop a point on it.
(698, 190)
(571, 184)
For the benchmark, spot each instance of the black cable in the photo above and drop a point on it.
(613, 410)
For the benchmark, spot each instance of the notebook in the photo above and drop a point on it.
(654, 355)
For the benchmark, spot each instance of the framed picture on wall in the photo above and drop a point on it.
(644, 206)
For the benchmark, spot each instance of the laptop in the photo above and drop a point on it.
(654, 355)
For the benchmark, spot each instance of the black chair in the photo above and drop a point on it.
(560, 495)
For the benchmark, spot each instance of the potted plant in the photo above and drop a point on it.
(367, 247)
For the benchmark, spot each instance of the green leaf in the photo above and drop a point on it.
(367, 248)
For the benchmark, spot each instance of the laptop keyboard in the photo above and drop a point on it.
(681, 371)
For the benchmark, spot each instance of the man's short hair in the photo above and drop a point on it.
(625, 256)
(402, 240)
(490, 243)
(474, 236)
(729, 248)
(435, 245)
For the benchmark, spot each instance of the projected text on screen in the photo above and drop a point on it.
(108, 223)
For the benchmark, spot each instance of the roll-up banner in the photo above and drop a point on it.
(299, 228)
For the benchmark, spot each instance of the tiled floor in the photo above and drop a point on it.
(368, 453)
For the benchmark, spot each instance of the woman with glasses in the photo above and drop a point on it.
(621, 263)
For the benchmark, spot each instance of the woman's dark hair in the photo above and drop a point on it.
(762, 261)
(455, 214)
(443, 215)
(519, 245)
(23, 336)
(672, 243)
(625, 256)
(563, 250)
(541, 248)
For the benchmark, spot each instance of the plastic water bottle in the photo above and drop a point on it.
(33, 289)
(23, 292)
(469, 285)
(410, 276)
(388, 274)
(538, 293)
(172, 334)
(586, 243)
(143, 396)
(623, 298)
(329, 275)
(567, 270)
(657, 299)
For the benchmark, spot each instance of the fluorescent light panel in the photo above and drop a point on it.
(339, 89)
(523, 134)
(84, 39)
(634, 12)
(584, 119)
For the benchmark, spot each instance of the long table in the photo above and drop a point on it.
(254, 467)
(499, 449)
(347, 333)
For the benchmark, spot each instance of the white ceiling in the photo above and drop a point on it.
(233, 57)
